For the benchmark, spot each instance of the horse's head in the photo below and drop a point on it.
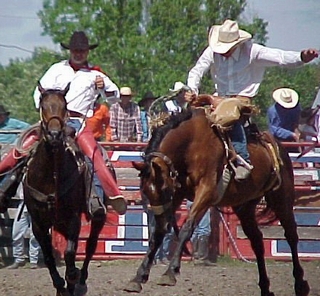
(158, 184)
(53, 113)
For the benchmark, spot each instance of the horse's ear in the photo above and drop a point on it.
(40, 88)
(138, 165)
(64, 92)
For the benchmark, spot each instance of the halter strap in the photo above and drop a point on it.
(168, 162)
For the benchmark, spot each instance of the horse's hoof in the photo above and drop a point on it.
(302, 288)
(133, 287)
(167, 279)
(80, 290)
(73, 278)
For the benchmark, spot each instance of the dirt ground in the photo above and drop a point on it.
(227, 278)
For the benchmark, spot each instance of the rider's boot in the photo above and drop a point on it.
(89, 147)
(8, 163)
(96, 207)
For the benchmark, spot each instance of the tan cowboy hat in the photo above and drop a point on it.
(223, 37)
(125, 91)
(78, 40)
(286, 97)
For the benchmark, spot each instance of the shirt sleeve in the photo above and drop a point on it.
(275, 128)
(268, 57)
(138, 124)
(113, 122)
(106, 121)
(201, 67)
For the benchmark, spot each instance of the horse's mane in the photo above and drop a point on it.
(171, 122)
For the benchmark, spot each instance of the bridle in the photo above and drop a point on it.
(173, 173)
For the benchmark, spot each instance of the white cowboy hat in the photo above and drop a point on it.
(286, 97)
(223, 37)
(178, 86)
(125, 91)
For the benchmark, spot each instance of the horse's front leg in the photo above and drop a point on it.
(44, 239)
(168, 278)
(72, 273)
(143, 271)
(91, 245)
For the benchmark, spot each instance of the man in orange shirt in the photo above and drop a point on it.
(99, 123)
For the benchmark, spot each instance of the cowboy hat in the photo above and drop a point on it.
(286, 97)
(78, 40)
(125, 91)
(3, 111)
(223, 37)
(178, 86)
(147, 96)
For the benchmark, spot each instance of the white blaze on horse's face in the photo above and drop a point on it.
(152, 188)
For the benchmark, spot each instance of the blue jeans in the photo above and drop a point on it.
(204, 226)
(239, 140)
(76, 124)
(18, 231)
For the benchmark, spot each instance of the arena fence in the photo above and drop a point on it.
(126, 236)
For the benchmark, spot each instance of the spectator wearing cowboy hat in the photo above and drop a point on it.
(86, 82)
(125, 118)
(178, 102)
(283, 115)
(7, 124)
(144, 105)
(237, 67)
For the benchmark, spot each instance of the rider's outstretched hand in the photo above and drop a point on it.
(308, 55)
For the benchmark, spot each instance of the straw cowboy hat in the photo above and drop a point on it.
(78, 40)
(3, 111)
(125, 91)
(223, 37)
(147, 96)
(178, 86)
(286, 97)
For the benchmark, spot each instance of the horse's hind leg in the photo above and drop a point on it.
(281, 204)
(246, 215)
(91, 245)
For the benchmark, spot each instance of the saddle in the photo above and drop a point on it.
(222, 114)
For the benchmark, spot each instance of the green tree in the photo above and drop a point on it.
(144, 44)
(18, 81)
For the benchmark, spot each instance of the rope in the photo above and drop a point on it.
(233, 241)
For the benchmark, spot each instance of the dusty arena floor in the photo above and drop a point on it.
(227, 278)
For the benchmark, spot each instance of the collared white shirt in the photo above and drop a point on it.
(82, 93)
(241, 73)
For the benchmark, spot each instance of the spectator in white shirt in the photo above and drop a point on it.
(237, 67)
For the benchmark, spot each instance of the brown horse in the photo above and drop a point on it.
(56, 195)
(186, 159)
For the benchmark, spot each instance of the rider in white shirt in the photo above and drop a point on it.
(85, 83)
(237, 67)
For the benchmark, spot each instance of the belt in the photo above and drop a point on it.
(75, 114)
